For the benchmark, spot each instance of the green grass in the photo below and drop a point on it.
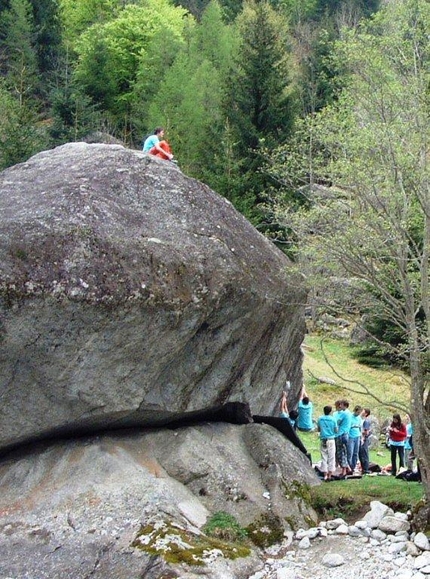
(330, 358)
(350, 499)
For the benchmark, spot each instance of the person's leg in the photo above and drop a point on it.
(331, 458)
(338, 451)
(344, 456)
(324, 457)
(401, 457)
(350, 451)
(393, 450)
(354, 456)
(363, 455)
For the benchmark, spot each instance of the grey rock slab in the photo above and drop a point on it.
(132, 294)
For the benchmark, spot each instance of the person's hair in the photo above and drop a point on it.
(358, 408)
(293, 414)
(366, 411)
(338, 403)
(397, 417)
(327, 410)
(305, 400)
(158, 130)
(345, 403)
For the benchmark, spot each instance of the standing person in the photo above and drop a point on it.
(343, 418)
(337, 439)
(354, 437)
(366, 431)
(305, 409)
(152, 144)
(409, 445)
(327, 428)
(397, 434)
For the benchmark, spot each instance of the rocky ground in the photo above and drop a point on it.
(379, 546)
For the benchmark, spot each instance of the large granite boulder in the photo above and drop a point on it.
(116, 506)
(130, 293)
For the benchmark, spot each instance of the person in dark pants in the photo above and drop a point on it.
(363, 453)
(397, 434)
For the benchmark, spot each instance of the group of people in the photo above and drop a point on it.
(345, 436)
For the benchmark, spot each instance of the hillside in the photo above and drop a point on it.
(329, 358)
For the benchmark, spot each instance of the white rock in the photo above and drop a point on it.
(412, 549)
(333, 560)
(286, 573)
(323, 532)
(305, 543)
(342, 530)
(301, 533)
(422, 560)
(399, 561)
(397, 548)
(354, 531)
(425, 570)
(422, 542)
(397, 538)
(377, 513)
(401, 516)
(335, 523)
(361, 524)
(378, 535)
(313, 533)
(405, 574)
(392, 524)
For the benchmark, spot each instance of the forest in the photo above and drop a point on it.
(310, 116)
(225, 78)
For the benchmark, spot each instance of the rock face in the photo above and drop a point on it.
(88, 507)
(130, 293)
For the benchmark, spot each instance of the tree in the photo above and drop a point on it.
(259, 103)
(18, 59)
(189, 97)
(374, 226)
(19, 135)
(109, 53)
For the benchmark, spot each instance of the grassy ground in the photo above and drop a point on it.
(350, 499)
(351, 378)
(332, 359)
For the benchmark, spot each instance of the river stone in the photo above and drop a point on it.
(391, 524)
(377, 512)
(422, 541)
(131, 294)
(333, 560)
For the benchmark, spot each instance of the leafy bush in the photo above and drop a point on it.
(224, 526)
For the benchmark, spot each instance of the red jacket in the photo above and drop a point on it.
(397, 432)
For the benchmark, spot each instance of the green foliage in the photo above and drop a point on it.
(19, 60)
(109, 53)
(266, 530)
(19, 135)
(348, 499)
(177, 545)
(73, 114)
(222, 525)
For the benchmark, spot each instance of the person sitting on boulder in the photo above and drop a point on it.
(154, 145)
